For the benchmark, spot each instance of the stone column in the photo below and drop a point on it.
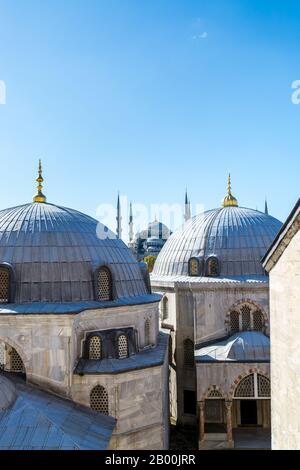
(201, 422)
(228, 405)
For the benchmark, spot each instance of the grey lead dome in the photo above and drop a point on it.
(237, 236)
(54, 252)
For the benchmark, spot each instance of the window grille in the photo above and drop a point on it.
(234, 322)
(258, 322)
(213, 411)
(99, 399)
(147, 332)
(95, 348)
(16, 362)
(194, 267)
(246, 322)
(104, 290)
(188, 353)
(214, 394)
(122, 347)
(4, 285)
(244, 318)
(264, 386)
(212, 267)
(245, 388)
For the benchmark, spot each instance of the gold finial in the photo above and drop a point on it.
(39, 197)
(229, 200)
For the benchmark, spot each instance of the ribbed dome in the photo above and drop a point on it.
(7, 393)
(54, 251)
(236, 236)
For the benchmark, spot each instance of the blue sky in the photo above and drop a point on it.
(148, 97)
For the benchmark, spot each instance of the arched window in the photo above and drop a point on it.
(165, 308)
(194, 267)
(16, 363)
(253, 386)
(122, 347)
(4, 285)
(234, 322)
(188, 353)
(258, 321)
(95, 348)
(104, 284)
(245, 388)
(147, 332)
(215, 394)
(263, 386)
(246, 317)
(99, 399)
(246, 321)
(212, 267)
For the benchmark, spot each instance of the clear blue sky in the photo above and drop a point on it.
(148, 97)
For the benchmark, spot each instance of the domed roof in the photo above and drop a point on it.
(54, 251)
(244, 346)
(155, 230)
(7, 393)
(237, 236)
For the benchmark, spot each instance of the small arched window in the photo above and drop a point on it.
(104, 284)
(122, 346)
(194, 267)
(246, 318)
(4, 285)
(258, 321)
(165, 308)
(95, 348)
(147, 332)
(215, 393)
(99, 399)
(234, 322)
(16, 363)
(188, 353)
(212, 267)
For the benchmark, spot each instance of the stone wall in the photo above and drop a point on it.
(137, 399)
(44, 344)
(285, 347)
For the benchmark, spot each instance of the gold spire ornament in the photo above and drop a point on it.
(229, 200)
(39, 197)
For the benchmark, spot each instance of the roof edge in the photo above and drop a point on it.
(280, 242)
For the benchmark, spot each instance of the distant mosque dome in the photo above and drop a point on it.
(229, 241)
(155, 229)
(53, 252)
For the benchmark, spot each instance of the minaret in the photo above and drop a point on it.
(119, 218)
(187, 207)
(266, 207)
(39, 197)
(131, 234)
